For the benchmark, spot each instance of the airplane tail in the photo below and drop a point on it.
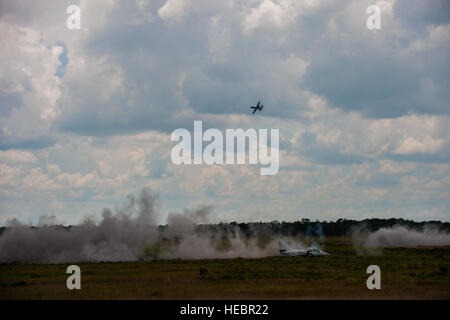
(282, 246)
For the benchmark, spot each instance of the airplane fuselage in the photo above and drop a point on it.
(258, 107)
(308, 252)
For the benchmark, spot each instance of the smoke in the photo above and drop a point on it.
(117, 237)
(314, 233)
(131, 234)
(399, 236)
(366, 242)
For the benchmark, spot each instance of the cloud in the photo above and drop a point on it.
(275, 14)
(86, 114)
(269, 14)
(174, 9)
(108, 90)
(410, 145)
(17, 156)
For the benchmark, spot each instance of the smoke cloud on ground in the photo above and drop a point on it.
(131, 234)
(366, 242)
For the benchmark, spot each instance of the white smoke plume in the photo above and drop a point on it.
(117, 237)
(398, 236)
(130, 234)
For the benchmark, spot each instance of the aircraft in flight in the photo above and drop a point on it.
(308, 252)
(257, 107)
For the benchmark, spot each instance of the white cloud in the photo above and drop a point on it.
(130, 74)
(174, 9)
(395, 167)
(28, 68)
(17, 156)
(276, 14)
(427, 144)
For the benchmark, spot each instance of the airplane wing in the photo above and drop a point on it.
(254, 110)
(258, 104)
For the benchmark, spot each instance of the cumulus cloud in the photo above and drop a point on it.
(410, 145)
(277, 14)
(174, 9)
(29, 88)
(17, 156)
(362, 115)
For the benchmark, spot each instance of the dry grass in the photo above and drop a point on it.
(407, 273)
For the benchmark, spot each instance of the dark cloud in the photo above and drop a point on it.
(377, 86)
(417, 14)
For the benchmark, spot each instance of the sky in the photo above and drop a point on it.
(86, 115)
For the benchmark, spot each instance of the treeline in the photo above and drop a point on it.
(306, 227)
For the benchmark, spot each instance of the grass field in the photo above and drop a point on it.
(406, 273)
